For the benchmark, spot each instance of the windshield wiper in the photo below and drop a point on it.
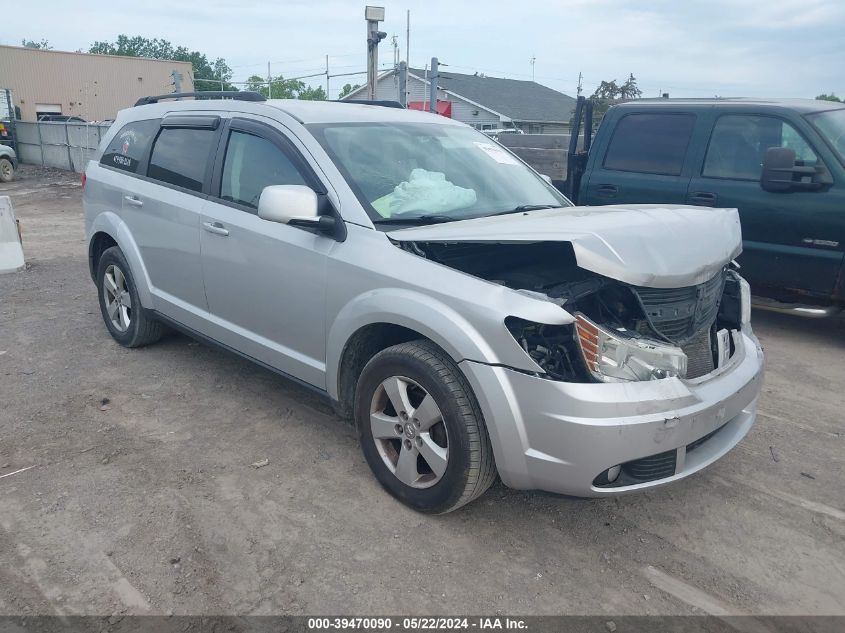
(525, 207)
(417, 219)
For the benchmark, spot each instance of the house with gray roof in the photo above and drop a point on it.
(482, 101)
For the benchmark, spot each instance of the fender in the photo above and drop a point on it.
(111, 224)
(414, 310)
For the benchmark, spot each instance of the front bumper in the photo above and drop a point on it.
(560, 437)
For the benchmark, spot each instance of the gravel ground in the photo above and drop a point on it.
(140, 496)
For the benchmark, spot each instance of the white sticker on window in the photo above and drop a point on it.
(496, 153)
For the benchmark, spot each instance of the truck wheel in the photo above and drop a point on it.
(127, 322)
(421, 429)
(7, 171)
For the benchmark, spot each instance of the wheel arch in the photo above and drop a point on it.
(109, 230)
(371, 323)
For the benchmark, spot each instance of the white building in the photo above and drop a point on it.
(482, 101)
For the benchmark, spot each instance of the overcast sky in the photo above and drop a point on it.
(782, 48)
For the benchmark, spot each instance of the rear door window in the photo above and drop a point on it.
(180, 156)
(128, 147)
(252, 163)
(739, 143)
(650, 143)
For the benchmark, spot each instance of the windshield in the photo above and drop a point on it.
(429, 172)
(831, 125)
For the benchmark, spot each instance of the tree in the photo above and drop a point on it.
(286, 88)
(207, 74)
(609, 93)
(43, 44)
(348, 89)
(830, 97)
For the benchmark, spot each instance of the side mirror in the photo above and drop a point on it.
(298, 205)
(283, 203)
(780, 173)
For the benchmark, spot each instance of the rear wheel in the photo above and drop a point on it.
(421, 430)
(7, 170)
(127, 321)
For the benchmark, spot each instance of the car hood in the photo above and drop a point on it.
(657, 246)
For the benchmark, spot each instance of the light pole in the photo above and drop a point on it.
(373, 15)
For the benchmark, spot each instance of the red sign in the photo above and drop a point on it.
(444, 108)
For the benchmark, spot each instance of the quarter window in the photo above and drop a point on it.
(180, 156)
(251, 164)
(127, 147)
(739, 143)
(650, 143)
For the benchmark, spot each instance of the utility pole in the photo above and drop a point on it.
(373, 15)
(408, 38)
(579, 84)
(177, 80)
(435, 75)
(327, 77)
(533, 59)
(269, 83)
(403, 84)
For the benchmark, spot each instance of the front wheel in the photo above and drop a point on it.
(421, 429)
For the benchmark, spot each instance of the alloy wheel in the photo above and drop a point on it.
(117, 298)
(409, 432)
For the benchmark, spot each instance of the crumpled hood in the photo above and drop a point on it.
(657, 246)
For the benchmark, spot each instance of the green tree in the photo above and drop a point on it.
(348, 89)
(285, 88)
(43, 44)
(830, 97)
(207, 74)
(609, 93)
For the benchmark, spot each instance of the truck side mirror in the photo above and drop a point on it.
(780, 173)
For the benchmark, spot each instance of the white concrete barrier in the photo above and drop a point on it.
(11, 251)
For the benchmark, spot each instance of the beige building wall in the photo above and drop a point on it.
(93, 87)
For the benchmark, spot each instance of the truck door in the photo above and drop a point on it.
(793, 241)
(644, 160)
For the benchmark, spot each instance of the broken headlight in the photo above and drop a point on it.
(552, 347)
(620, 355)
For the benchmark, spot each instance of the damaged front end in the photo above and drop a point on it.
(621, 332)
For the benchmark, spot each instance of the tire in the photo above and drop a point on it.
(7, 170)
(130, 324)
(457, 462)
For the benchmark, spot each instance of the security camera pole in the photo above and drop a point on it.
(373, 15)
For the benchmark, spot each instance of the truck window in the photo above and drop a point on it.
(650, 143)
(128, 146)
(180, 156)
(739, 143)
(251, 164)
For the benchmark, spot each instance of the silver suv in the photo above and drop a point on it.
(441, 293)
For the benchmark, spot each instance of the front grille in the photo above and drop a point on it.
(700, 361)
(679, 314)
(652, 467)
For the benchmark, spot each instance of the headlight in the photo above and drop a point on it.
(618, 356)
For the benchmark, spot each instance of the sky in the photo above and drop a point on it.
(688, 48)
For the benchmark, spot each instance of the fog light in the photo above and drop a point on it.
(613, 473)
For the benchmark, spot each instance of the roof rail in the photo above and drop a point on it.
(384, 104)
(237, 95)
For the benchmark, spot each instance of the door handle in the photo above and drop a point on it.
(133, 201)
(703, 198)
(607, 190)
(216, 228)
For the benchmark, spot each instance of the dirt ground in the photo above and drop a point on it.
(140, 496)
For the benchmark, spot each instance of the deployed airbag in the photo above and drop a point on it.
(425, 192)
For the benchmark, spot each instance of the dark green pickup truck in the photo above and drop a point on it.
(780, 162)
